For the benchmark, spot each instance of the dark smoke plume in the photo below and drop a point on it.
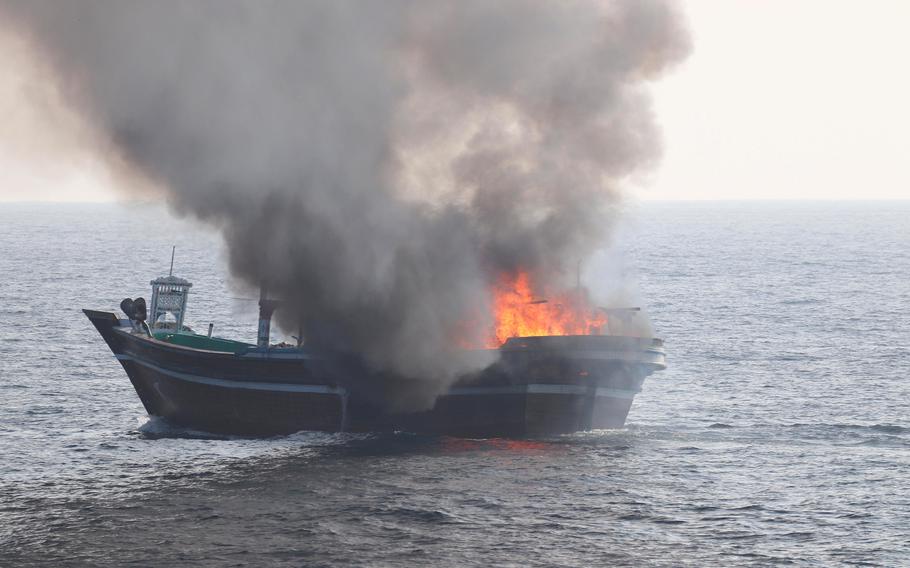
(377, 164)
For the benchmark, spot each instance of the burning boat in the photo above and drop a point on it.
(553, 372)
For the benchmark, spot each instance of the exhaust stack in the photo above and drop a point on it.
(266, 307)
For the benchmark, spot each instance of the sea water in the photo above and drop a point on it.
(779, 434)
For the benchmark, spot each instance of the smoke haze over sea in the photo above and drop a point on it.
(377, 165)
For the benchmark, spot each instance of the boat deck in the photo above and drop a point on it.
(196, 341)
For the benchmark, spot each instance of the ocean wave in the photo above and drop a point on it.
(883, 428)
(157, 428)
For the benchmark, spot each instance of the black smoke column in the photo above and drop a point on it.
(380, 164)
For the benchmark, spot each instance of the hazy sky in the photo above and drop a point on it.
(780, 99)
(789, 99)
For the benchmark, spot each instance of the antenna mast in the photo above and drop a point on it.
(171, 272)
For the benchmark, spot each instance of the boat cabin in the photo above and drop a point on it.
(169, 296)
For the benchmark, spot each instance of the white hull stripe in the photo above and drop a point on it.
(542, 389)
(616, 393)
(326, 389)
(237, 383)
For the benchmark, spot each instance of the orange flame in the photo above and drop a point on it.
(518, 313)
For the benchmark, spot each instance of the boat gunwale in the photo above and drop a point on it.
(654, 349)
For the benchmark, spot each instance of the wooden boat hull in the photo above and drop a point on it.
(539, 386)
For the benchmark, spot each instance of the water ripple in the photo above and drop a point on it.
(778, 436)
